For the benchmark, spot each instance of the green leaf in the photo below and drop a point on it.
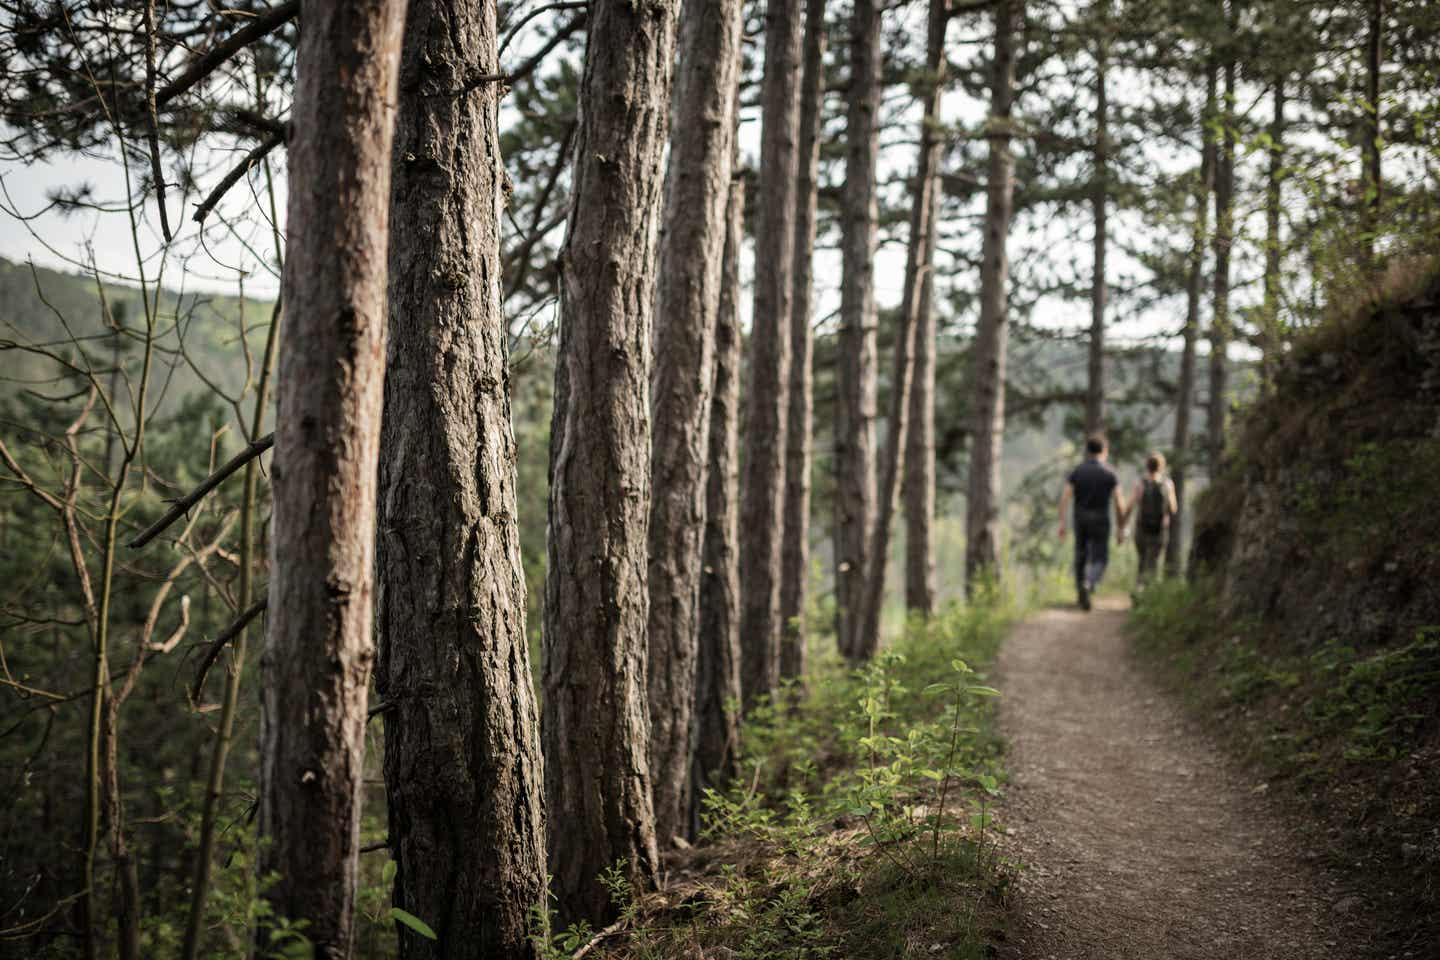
(387, 872)
(413, 922)
(984, 691)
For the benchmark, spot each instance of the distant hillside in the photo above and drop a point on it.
(197, 335)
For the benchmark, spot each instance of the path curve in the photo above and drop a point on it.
(1140, 841)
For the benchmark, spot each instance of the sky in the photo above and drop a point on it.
(236, 248)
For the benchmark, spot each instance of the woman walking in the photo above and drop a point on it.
(1154, 500)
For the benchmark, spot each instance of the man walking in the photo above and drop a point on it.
(1092, 487)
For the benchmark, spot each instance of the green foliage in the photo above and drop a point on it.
(858, 825)
(1321, 709)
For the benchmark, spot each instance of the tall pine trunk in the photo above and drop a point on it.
(1270, 306)
(1194, 285)
(982, 521)
(461, 733)
(1220, 327)
(1099, 201)
(762, 494)
(855, 486)
(596, 722)
(918, 260)
(717, 685)
(692, 246)
(795, 551)
(1370, 149)
(319, 649)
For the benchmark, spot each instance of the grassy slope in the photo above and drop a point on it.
(1313, 651)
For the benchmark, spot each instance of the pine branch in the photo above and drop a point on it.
(216, 56)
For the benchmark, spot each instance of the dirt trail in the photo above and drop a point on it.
(1141, 842)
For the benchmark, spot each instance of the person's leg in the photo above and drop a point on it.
(1148, 545)
(1099, 553)
(1082, 554)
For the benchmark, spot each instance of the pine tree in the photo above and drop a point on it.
(329, 394)
(461, 728)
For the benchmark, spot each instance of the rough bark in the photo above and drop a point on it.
(1270, 306)
(918, 260)
(596, 722)
(762, 490)
(982, 520)
(319, 649)
(717, 687)
(795, 549)
(463, 772)
(692, 246)
(1220, 328)
(1099, 197)
(919, 483)
(1194, 283)
(1374, 185)
(855, 484)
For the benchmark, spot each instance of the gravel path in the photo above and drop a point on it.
(1139, 840)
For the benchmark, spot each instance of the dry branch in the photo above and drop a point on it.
(233, 177)
(217, 55)
(181, 506)
(226, 635)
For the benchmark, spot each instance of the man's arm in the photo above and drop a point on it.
(1170, 496)
(1066, 492)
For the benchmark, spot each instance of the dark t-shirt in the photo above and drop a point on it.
(1094, 485)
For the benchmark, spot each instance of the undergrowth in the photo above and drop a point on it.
(860, 824)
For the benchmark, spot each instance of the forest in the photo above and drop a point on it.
(550, 479)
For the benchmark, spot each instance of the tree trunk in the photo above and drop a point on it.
(1218, 408)
(856, 368)
(762, 495)
(982, 521)
(919, 483)
(1194, 282)
(717, 685)
(461, 734)
(1374, 185)
(1270, 308)
(1099, 197)
(596, 721)
(692, 246)
(918, 260)
(795, 548)
(329, 392)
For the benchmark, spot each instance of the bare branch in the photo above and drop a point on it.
(226, 635)
(233, 177)
(217, 55)
(152, 132)
(209, 483)
(566, 5)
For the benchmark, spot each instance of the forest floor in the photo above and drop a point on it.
(1138, 838)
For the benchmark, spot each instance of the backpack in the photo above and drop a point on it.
(1153, 506)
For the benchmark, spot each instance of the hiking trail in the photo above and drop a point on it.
(1140, 840)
